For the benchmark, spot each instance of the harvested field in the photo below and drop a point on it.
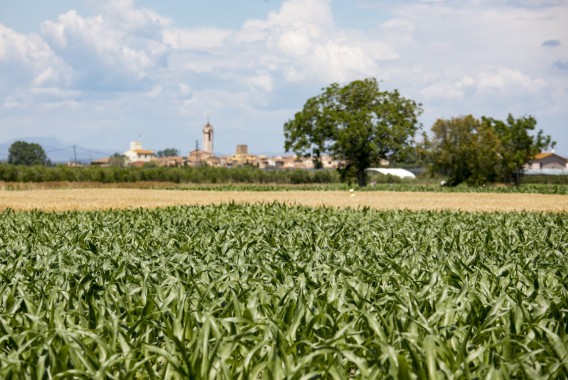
(101, 199)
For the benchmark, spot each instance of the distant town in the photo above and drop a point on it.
(138, 156)
(547, 163)
(542, 163)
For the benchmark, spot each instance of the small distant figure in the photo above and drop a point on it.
(443, 183)
(373, 183)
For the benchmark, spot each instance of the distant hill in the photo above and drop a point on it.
(57, 151)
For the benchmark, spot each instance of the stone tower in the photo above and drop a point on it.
(208, 138)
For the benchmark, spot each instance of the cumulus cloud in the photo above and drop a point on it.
(202, 38)
(27, 60)
(507, 78)
(115, 50)
(500, 82)
(398, 24)
(305, 44)
(314, 15)
(297, 43)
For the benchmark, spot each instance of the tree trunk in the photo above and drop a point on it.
(361, 177)
(518, 177)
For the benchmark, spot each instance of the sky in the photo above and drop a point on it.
(100, 74)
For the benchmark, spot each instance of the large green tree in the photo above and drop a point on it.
(358, 124)
(518, 145)
(25, 153)
(476, 151)
(464, 149)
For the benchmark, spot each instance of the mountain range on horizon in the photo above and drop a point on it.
(57, 151)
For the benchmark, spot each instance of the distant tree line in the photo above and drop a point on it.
(15, 173)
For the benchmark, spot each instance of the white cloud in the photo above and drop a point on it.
(501, 82)
(305, 44)
(263, 82)
(184, 89)
(48, 75)
(113, 50)
(202, 38)
(297, 40)
(125, 14)
(27, 59)
(498, 47)
(315, 14)
(506, 78)
(398, 24)
(27, 50)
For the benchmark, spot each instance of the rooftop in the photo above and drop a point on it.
(142, 151)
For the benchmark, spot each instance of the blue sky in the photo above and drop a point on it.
(102, 73)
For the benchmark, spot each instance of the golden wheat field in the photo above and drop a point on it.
(111, 198)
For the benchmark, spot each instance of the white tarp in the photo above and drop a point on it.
(546, 171)
(402, 173)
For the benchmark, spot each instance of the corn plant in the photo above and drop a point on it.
(275, 291)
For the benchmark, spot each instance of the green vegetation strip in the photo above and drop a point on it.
(14, 177)
(272, 291)
(401, 187)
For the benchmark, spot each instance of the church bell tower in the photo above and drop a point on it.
(208, 138)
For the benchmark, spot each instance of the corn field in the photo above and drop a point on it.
(272, 291)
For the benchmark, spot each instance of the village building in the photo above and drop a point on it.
(169, 161)
(242, 158)
(198, 157)
(137, 154)
(205, 156)
(101, 162)
(547, 161)
(208, 138)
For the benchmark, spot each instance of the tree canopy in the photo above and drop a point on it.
(517, 144)
(358, 124)
(168, 152)
(117, 160)
(476, 151)
(24, 153)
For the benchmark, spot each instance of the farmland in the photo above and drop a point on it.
(281, 291)
(113, 198)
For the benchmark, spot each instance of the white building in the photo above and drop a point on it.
(137, 154)
(547, 161)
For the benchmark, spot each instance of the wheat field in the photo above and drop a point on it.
(108, 198)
